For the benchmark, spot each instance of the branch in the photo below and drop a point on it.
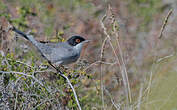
(21, 73)
(61, 74)
(75, 95)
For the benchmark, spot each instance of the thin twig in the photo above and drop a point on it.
(117, 106)
(21, 73)
(21, 63)
(42, 103)
(99, 62)
(101, 72)
(166, 57)
(165, 23)
(123, 67)
(155, 60)
(150, 81)
(140, 97)
(15, 106)
(5, 59)
(75, 95)
(61, 74)
(125, 74)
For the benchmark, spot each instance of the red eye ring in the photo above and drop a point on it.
(78, 40)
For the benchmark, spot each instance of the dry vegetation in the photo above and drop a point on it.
(129, 65)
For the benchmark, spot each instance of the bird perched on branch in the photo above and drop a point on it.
(60, 53)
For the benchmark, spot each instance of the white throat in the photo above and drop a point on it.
(78, 47)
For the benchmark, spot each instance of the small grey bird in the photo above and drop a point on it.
(57, 54)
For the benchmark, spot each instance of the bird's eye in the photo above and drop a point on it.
(78, 40)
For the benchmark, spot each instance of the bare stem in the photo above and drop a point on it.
(122, 67)
(148, 89)
(61, 74)
(75, 95)
(124, 71)
(101, 73)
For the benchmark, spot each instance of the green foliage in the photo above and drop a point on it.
(2, 6)
(3, 11)
(22, 21)
(72, 5)
(27, 85)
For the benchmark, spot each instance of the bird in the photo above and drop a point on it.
(58, 53)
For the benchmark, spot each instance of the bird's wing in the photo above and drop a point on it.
(57, 52)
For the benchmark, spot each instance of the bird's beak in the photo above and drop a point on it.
(87, 41)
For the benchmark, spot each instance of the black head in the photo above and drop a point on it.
(74, 40)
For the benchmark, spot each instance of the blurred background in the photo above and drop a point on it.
(133, 27)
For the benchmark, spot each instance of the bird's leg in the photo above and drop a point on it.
(63, 68)
(53, 66)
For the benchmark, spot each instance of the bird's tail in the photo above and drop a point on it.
(26, 36)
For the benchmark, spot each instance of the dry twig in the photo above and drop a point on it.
(24, 74)
(122, 67)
